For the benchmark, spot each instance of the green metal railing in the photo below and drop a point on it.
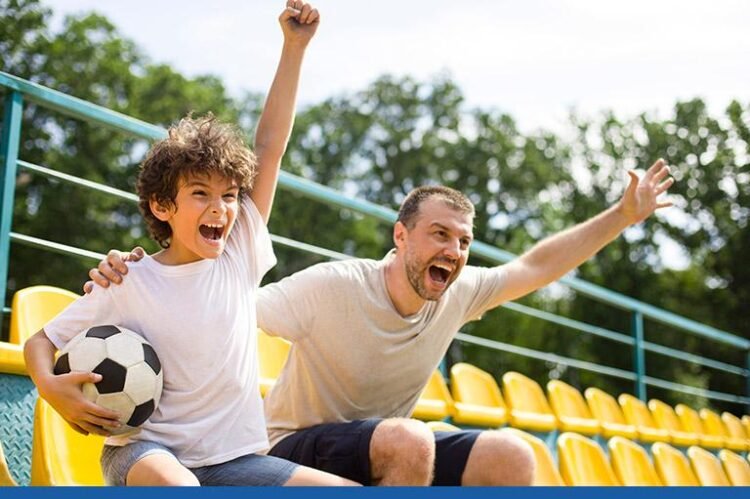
(20, 91)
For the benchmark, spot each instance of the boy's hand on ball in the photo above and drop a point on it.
(64, 394)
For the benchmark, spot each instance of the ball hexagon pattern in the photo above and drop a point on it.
(132, 377)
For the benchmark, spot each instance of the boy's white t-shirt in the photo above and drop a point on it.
(200, 318)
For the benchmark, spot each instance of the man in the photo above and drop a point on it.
(368, 334)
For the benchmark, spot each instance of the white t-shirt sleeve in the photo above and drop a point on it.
(287, 308)
(251, 240)
(95, 308)
(481, 287)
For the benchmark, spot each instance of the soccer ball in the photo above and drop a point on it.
(131, 373)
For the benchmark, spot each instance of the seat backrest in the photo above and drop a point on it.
(631, 463)
(712, 423)
(34, 307)
(672, 466)
(664, 415)
(636, 412)
(471, 385)
(746, 424)
(604, 406)
(567, 400)
(272, 354)
(707, 467)
(546, 473)
(736, 468)
(582, 461)
(435, 402)
(689, 418)
(60, 455)
(6, 478)
(733, 424)
(525, 394)
(441, 426)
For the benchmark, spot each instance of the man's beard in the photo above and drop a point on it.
(416, 272)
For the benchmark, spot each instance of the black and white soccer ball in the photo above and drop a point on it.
(132, 377)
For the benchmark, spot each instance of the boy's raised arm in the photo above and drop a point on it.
(299, 21)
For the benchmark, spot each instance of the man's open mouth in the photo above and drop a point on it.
(211, 231)
(440, 273)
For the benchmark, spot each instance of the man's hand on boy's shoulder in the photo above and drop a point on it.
(299, 21)
(112, 268)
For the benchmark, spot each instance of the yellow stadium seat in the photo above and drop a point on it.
(691, 421)
(604, 408)
(571, 410)
(638, 415)
(435, 402)
(441, 426)
(272, 354)
(528, 407)
(746, 425)
(546, 473)
(714, 426)
(733, 424)
(631, 463)
(707, 467)
(666, 418)
(6, 478)
(60, 455)
(477, 397)
(34, 307)
(672, 466)
(582, 461)
(736, 468)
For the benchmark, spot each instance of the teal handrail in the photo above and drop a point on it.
(21, 91)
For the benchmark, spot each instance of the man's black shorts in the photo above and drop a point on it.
(344, 450)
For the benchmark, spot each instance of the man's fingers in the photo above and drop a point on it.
(116, 260)
(664, 186)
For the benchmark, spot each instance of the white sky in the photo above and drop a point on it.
(533, 59)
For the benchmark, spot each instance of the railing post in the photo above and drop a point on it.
(639, 356)
(9, 141)
(747, 381)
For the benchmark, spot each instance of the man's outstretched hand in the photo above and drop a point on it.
(640, 198)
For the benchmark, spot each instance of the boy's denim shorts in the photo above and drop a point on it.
(251, 469)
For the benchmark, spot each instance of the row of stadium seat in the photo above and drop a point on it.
(475, 399)
(584, 463)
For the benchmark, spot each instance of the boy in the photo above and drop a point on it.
(195, 301)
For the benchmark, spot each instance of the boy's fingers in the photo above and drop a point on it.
(304, 13)
(136, 255)
(96, 430)
(78, 428)
(105, 269)
(116, 260)
(103, 422)
(314, 16)
(97, 411)
(88, 285)
(96, 278)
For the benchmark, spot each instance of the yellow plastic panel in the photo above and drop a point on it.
(477, 398)
(604, 408)
(582, 461)
(638, 415)
(60, 455)
(631, 463)
(272, 354)
(34, 307)
(546, 472)
(435, 403)
(714, 426)
(571, 410)
(736, 468)
(672, 466)
(691, 421)
(707, 467)
(527, 405)
(666, 418)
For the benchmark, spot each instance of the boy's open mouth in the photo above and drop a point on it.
(211, 231)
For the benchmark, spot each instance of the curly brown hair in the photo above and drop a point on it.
(194, 146)
(409, 210)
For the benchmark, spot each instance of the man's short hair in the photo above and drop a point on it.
(193, 147)
(409, 210)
